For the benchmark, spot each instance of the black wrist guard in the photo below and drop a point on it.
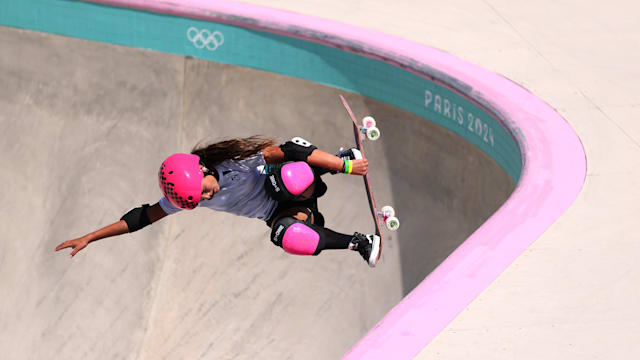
(137, 218)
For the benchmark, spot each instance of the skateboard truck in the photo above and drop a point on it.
(369, 128)
(387, 215)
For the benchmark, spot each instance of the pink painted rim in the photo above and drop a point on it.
(553, 174)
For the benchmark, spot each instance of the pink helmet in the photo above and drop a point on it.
(180, 179)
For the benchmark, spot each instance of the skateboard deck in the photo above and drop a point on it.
(367, 183)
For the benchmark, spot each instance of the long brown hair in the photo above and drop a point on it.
(236, 149)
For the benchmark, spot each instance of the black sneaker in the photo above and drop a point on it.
(368, 246)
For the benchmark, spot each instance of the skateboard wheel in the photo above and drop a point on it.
(373, 133)
(388, 211)
(369, 122)
(392, 223)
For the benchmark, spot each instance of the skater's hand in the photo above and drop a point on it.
(76, 244)
(360, 167)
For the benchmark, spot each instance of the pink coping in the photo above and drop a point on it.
(300, 240)
(553, 174)
(297, 177)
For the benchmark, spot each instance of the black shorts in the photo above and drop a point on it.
(311, 204)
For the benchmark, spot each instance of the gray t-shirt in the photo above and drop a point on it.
(241, 190)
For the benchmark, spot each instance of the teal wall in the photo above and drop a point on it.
(275, 53)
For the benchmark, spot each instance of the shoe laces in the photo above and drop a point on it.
(359, 242)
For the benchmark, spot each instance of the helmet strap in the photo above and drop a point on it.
(206, 171)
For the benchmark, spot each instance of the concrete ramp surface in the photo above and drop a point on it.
(84, 128)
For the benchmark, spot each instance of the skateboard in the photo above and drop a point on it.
(386, 214)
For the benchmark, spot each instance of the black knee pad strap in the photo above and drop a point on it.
(279, 227)
(321, 187)
(274, 185)
(318, 218)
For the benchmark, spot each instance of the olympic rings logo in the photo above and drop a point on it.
(205, 38)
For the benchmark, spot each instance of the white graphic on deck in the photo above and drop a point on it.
(205, 38)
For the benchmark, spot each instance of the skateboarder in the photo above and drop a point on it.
(256, 178)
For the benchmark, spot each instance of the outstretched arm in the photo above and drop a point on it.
(319, 158)
(154, 213)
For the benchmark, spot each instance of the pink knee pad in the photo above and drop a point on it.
(300, 239)
(297, 177)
